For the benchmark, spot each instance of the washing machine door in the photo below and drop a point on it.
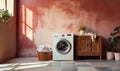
(63, 46)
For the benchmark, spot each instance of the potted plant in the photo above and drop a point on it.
(115, 42)
(82, 29)
(109, 49)
(5, 15)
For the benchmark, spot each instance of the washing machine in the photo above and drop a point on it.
(63, 46)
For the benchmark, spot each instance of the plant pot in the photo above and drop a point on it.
(82, 32)
(110, 55)
(117, 56)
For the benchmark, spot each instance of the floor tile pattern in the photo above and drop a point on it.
(33, 64)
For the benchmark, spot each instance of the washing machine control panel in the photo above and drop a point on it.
(63, 35)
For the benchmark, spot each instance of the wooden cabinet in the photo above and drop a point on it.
(84, 46)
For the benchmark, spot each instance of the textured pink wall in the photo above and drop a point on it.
(39, 19)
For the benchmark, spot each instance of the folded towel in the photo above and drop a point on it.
(93, 36)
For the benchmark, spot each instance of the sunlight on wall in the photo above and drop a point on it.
(27, 22)
(29, 33)
(29, 17)
(23, 13)
(23, 28)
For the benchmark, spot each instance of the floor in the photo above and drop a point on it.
(33, 64)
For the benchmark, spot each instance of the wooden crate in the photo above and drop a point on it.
(44, 55)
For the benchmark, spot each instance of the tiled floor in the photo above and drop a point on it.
(33, 64)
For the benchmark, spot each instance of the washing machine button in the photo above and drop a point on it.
(63, 35)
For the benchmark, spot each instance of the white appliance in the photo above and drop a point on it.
(63, 46)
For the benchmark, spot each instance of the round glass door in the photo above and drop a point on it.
(63, 46)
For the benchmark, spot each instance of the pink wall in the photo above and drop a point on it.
(39, 19)
(8, 38)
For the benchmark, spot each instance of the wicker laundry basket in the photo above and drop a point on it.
(44, 55)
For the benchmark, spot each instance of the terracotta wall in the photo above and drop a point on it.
(39, 19)
(8, 38)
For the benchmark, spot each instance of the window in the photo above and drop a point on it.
(7, 4)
